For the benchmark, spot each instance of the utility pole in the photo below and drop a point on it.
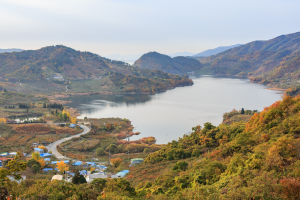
(109, 157)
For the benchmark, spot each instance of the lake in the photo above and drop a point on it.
(171, 114)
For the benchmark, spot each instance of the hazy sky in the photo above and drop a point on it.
(138, 26)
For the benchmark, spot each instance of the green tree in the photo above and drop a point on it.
(99, 184)
(100, 152)
(78, 179)
(36, 168)
(13, 168)
(242, 111)
(147, 150)
(181, 166)
(112, 148)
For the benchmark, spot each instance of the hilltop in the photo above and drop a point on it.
(63, 69)
(256, 58)
(176, 65)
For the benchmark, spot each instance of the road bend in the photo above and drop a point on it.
(53, 146)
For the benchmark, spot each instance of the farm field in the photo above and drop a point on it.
(108, 135)
(20, 137)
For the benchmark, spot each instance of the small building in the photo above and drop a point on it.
(72, 126)
(35, 144)
(121, 174)
(57, 177)
(136, 161)
(45, 143)
(41, 151)
(12, 154)
(4, 154)
(45, 154)
(90, 177)
(78, 163)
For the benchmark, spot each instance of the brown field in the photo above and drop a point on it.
(20, 137)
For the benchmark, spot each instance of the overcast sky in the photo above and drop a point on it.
(130, 27)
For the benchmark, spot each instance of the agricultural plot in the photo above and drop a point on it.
(20, 137)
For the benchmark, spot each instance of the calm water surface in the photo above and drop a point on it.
(171, 114)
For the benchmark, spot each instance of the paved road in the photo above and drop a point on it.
(52, 146)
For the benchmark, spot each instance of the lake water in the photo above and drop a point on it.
(171, 114)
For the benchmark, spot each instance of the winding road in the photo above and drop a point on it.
(52, 146)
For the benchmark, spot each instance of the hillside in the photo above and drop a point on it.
(62, 69)
(176, 65)
(215, 51)
(255, 160)
(259, 159)
(258, 58)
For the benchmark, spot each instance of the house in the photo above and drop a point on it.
(41, 151)
(45, 154)
(4, 154)
(72, 126)
(12, 154)
(45, 143)
(90, 177)
(136, 161)
(57, 177)
(58, 77)
(78, 163)
(121, 174)
(35, 144)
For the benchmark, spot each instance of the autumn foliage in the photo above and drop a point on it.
(116, 161)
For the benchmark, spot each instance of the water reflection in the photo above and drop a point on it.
(100, 102)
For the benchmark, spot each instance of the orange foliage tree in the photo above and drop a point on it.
(62, 166)
(116, 161)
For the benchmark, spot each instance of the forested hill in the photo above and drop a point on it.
(255, 160)
(58, 67)
(32, 65)
(277, 57)
(177, 65)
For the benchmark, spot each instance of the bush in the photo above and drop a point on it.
(181, 166)
(147, 150)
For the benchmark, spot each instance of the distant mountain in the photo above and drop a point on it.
(181, 54)
(177, 65)
(10, 50)
(217, 50)
(275, 58)
(131, 58)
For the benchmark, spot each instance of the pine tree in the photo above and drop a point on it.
(242, 111)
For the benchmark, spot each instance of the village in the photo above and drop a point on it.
(62, 167)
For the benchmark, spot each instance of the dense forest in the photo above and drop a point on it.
(259, 159)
